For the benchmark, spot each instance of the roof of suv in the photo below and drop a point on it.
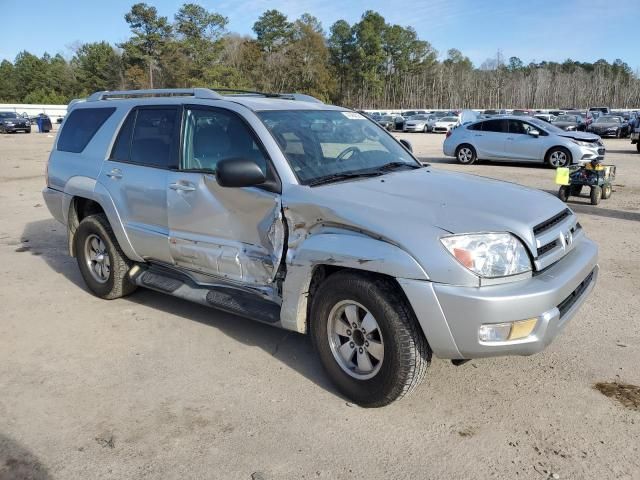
(252, 100)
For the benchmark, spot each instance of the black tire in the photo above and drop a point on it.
(117, 284)
(606, 191)
(596, 195)
(562, 159)
(406, 351)
(638, 147)
(466, 154)
(563, 193)
(425, 129)
(618, 133)
(575, 190)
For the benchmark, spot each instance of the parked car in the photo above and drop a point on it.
(312, 218)
(420, 123)
(570, 122)
(11, 122)
(635, 138)
(602, 110)
(517, 139)
(523, 113)
(387, 122)
(610, 126)
(493, 113)
(545, 117)
(445, 124)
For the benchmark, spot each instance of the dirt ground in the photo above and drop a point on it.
(154, 387)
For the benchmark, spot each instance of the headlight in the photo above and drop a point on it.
(489, 255)
(581, 143)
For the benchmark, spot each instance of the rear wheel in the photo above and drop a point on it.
(558, 157)
(606, 191)
(638, 146)
(367, 338)
(102, 263)
(466, 154)
(596, 195)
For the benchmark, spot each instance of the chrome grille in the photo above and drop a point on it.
(555, 237)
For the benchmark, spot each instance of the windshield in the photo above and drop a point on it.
(449, 119)
(419, 117)
(608, 120)
(547, 127)
(386, 118)
(7, 115)
(320, 143)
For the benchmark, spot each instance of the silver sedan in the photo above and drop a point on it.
(521, 139)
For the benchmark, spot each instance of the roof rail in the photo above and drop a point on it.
(205, 93)
(155, 92)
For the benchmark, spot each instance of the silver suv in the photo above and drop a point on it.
(313, 218)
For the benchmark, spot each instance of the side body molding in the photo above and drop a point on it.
(350, 250)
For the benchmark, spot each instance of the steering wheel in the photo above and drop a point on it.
(352, 149)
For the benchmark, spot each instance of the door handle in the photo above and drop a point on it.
(509, 138)
(115, 173)
(182, 187)
(478, 135)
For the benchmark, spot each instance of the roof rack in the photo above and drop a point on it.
(204, 93)
(156, 92)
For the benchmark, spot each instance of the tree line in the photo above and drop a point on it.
(370, 64)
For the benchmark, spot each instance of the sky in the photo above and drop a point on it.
(534, 30)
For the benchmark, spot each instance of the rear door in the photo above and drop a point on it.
(489, 138)
(135, 175)
(519, 145)
(232, 233)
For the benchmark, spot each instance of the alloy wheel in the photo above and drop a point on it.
(355, 340)
(97, 258)
(558, 159)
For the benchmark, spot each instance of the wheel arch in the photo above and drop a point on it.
(322, 254)
(86, 196)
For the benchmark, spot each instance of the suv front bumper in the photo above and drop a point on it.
(451, 316)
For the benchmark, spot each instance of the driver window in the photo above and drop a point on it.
(214, 135)
(517, 127)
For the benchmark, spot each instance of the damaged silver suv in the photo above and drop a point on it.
(313, 218)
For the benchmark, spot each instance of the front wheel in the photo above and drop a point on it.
(102, 263)
(558, 157)
(466, 154)
(606, 191)
(563, 193)
(367, 338)
(638, 146)
(596, 195)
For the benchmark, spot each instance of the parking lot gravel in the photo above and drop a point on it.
(154, 387)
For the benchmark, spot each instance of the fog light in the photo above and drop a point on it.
(494, 332)
(522, 329)
(501, 332)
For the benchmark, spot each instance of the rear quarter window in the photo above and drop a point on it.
(80, 128)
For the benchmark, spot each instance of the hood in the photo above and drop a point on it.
(603, 125)
(414, 209)
(588, 137)
(440, 123)
(416, 122)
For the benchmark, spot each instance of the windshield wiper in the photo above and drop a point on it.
(336, 177)
(387, 167)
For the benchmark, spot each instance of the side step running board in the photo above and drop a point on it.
(229, 299)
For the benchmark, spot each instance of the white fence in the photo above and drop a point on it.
(53, 111)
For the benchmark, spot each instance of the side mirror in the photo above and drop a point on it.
(407, 144)
(534, 133)
(239, 172)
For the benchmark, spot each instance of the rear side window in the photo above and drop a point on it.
(80, 128)
(153, 142)
(494, 126)
(475, 126)
(122, 146)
